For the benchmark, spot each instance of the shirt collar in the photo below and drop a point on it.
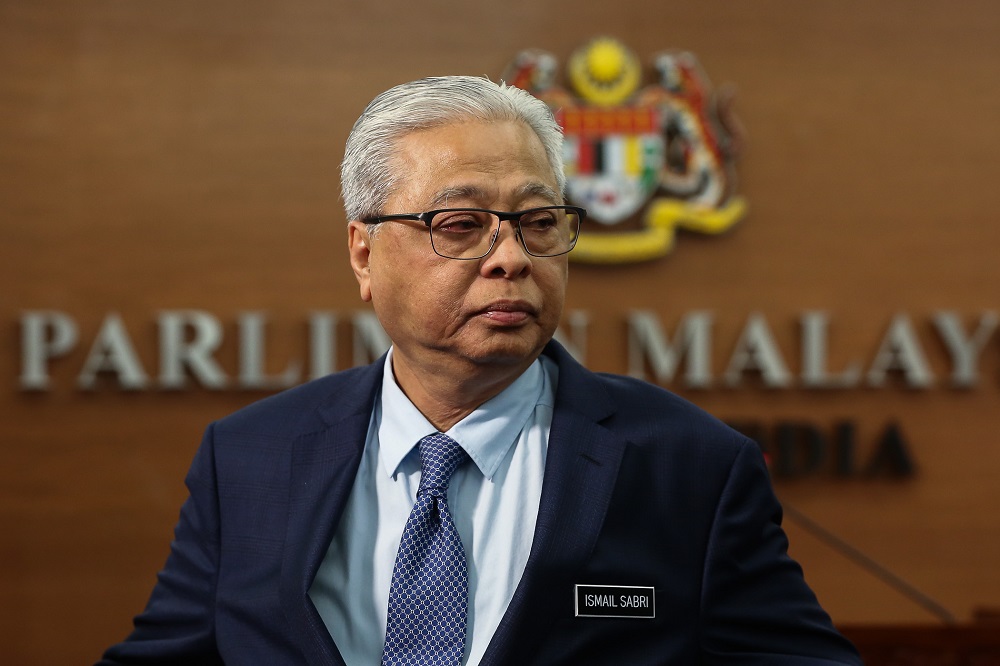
(486, 434)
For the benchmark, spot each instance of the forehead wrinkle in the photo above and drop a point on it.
(475, 193)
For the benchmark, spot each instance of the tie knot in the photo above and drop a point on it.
(440, 456)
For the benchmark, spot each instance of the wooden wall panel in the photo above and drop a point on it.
(183, 155)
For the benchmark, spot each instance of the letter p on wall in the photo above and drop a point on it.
(45, 334)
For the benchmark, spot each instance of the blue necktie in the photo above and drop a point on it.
(429, 594)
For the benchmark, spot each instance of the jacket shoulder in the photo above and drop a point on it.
(631, 393)
(650, 414)
(313, 405)
(643, 413)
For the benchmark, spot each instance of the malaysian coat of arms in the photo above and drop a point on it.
(644, 160)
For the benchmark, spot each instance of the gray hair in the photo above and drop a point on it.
(367, 175)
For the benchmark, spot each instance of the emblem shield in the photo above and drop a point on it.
(648, 159)
(613, 158)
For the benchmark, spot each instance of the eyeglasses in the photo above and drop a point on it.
(470, 233)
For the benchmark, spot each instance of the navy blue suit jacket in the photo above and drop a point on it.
(641, 489)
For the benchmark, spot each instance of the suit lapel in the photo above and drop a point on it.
(580, 472)
(323, 468)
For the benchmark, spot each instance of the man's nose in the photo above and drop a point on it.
(508, 251)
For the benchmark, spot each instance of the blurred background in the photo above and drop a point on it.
(172, 247)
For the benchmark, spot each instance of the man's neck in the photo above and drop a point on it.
(449, 393)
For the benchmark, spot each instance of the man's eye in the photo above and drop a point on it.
(458, 224)
(543, 221)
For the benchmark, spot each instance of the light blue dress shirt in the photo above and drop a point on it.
(494, 503)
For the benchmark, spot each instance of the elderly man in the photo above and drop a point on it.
(475, 496)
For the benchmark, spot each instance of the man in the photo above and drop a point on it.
(562, 517)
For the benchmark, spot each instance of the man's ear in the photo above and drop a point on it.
(358, 244)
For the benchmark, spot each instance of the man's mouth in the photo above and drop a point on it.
(508, 312)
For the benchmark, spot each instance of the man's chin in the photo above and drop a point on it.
(510, 352)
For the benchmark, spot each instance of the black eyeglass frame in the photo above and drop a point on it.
(514, 217)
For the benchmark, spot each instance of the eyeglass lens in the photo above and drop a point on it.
(468, 234)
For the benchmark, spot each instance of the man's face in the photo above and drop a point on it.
(498, 310)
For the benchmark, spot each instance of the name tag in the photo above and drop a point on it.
(615, 601)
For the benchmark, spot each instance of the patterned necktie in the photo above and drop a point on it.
(429, 595)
